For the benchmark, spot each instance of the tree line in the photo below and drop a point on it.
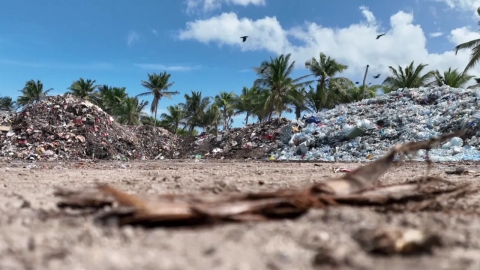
(273, 93)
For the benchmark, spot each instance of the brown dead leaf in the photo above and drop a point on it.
(87, 198)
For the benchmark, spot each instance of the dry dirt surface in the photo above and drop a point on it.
(36, 234)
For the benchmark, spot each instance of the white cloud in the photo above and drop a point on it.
(132, 38)
(368, 15)
(155, 32)
(210, 5)
(355, 45)
(462, 4)
(461, 35)
(469, 6)
(167, 68)
(436, 34)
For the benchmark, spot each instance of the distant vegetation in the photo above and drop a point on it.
(273, 93)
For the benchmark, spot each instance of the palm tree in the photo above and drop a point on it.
(225, 102)
(158, 85)
(130, 111)
(275, 78)
(173, 118)
(452, 78)
(356, 93)
(7, 104)
(195, 106)
(259, 109)
(246, 102)
(474, 46)
(335, 91)
(110, 98)
(410, 77)
(297, 98)
(326, 69)
(211, 117)
(32, 93)
(83, 89)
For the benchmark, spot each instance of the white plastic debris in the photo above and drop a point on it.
(366, 130)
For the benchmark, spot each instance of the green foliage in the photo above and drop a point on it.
(452, 78)
(130, 111)
(32, 93)
(329, 90)
(8, 104)
(158, 85)
(408, 77)
(275, 84)
(83, 89)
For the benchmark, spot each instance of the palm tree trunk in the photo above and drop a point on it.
(246, 119)
(298, 111)
(364, 78)
(320, 88)
(225, 121)
(156, 116)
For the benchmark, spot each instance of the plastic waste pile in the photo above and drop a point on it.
(65, 127)
(155, 142)
(252, 141)
(366, 130)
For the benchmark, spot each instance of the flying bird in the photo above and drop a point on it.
(244, 38)
(356, 82)
(377, 76)
(381, 35)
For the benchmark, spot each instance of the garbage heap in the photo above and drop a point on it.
(5, 124)
(254, 141)
(366, 130)
(66, 127)
(155, 142)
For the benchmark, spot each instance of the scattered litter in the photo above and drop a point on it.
(336, 170)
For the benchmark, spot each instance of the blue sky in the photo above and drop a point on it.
(119, 42)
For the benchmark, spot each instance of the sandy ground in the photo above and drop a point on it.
(35, 234)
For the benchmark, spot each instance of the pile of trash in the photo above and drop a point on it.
(155, 142)
(254, 141)
(66, 127)
(366, 130)
(6, 121)
(5, 124)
